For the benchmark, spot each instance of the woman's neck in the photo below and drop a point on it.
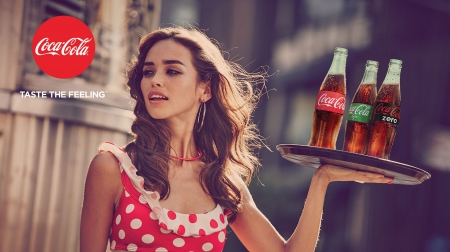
(182, 141)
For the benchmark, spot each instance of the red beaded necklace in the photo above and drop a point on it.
(200, 153)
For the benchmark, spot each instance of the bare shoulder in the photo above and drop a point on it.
(245, 192)
(104, 171)
(105, 161)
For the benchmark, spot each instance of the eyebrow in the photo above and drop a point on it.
(165, 62)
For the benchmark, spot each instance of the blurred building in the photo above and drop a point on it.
(46, 144)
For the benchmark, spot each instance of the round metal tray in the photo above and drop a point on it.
(314, 157)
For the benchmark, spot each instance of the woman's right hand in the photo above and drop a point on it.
(331, 173)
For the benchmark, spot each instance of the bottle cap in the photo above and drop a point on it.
(341, 51)
(395, 62)
(372, 63)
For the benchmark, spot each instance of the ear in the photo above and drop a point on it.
(206, 95)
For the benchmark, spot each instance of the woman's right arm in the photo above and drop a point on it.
(102, 190)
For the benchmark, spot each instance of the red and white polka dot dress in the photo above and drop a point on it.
(140, 223)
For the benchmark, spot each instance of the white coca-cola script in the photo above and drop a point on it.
(73, 46)
(361, 109)
(338, 103)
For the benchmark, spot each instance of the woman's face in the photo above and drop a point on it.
(170, 84)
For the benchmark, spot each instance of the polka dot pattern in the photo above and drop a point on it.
(178, 242)
(192, 218)
(121, 234)
(213, 224)
(207, 246)
(153, 216)
(165, 231)
(129, 208)
(221, 236)
(141, 224)
(181, 230)
(136, 223)
(132, 247)
(148, 238)
(171, 215)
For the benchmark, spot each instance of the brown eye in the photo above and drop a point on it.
(172, 72)
(148, 73)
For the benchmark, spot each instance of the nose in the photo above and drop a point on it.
(157, 80)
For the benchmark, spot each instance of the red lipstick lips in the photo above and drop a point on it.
(156, 97)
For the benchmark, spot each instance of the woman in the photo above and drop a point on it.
(183, 178)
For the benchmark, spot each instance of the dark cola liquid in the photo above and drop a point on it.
(326, 124)
(357, 133)
(382, 134)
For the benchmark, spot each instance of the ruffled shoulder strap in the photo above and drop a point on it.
(152, 198)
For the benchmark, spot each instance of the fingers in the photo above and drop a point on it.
(368, 177)
(336, 173)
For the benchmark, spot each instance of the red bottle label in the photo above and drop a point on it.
(386, 112)
(331, 101)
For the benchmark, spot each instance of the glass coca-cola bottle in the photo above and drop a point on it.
(360, 112)
(386, 113)
(330, 104)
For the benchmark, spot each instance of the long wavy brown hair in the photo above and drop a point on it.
(228, 137)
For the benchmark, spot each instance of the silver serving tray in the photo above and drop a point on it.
(314, 157)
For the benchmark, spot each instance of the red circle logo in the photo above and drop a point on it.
(63, 47)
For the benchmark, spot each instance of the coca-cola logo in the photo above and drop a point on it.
(70, 47)
(388, 109)
(334, 102)
(63, 47)
(330, 101)
(360, 109)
